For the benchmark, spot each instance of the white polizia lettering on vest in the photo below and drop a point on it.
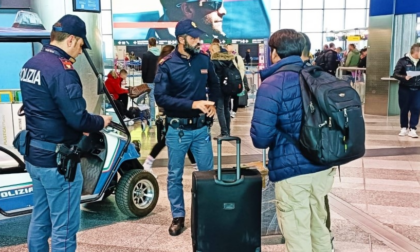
(30, 75)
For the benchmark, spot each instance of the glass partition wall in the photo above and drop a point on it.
(318, 17)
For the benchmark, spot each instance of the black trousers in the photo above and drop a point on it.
(122, 104)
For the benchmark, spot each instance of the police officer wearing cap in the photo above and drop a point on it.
(55, 114)
(180, 89)
(207, 14)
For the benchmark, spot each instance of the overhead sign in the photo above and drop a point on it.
(87, 6)
(354, 38)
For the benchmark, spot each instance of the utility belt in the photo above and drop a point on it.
(67, 157)
(193, 123)
(189, 123)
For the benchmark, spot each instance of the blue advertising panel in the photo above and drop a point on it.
(232, 21)
(87, 5)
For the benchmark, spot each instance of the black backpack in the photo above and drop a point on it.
(232, 83)
(133, 112)
(333, 128)
(320, 60)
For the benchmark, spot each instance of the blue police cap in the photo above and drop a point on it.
(73, 25)
(188, 27)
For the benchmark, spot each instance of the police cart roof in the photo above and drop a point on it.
(23, 35)
(27, 27)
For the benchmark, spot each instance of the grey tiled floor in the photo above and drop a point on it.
(385, 187)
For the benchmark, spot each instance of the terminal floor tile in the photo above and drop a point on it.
(384, 185)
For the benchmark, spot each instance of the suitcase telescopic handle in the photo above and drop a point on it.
(219, 160)
(264, 156)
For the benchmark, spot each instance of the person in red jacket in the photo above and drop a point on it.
(120, 95)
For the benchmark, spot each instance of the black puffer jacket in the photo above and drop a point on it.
(403, 65)
(331, 61)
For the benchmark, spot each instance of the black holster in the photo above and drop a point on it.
(67, 161)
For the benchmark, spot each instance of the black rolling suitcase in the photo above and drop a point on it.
(226, 207)
(243, 100)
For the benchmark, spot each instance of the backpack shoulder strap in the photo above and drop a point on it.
(290, 68)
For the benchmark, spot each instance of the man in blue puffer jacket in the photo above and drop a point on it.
(300, 186)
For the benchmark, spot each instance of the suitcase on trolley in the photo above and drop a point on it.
(226, 207)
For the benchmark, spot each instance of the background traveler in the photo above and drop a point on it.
(56, 113)
(409, 91)
(221, 61)
(363, 58)
(300, 186)
(149, 65)
(120, 95)
(248, 57)
(353, 56)
(181, 82)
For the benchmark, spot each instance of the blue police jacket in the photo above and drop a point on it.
(181, 81)
(54, 106)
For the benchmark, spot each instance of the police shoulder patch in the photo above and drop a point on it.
(67, 64)
(203, 52)
(165, 59)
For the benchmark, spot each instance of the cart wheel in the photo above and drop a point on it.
(131, 123)
(137, 193)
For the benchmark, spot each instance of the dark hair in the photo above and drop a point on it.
(352, 45)
(165, 51)
(363, 50)
(58, 36)
(216, 40)
(307, 48)
(287, 42)
(332, 45)
(152, 41)
(340, 48)
(414, 47)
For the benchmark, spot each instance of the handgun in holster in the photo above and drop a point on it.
(67, 161)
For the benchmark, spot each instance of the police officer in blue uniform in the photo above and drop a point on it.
(180, 89)
(56, 114)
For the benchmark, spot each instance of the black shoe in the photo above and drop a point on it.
(177, 226)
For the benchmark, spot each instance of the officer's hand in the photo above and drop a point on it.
(408, 77)
(212, 111)
(107, 120)
(202, 105)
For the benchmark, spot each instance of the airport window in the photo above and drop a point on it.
(333, 20)
(355, 4)
(318, 17)
(275, 4)
(275, 21)
(355, 19)
(312, 20)
(290, 4)
(313, 4)
(334, 4)
(291, 19)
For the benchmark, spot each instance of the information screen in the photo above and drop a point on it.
(232, 21)
(87, 5)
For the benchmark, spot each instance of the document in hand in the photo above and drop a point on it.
(413, 73)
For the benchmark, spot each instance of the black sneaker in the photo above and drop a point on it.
(177, 226)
